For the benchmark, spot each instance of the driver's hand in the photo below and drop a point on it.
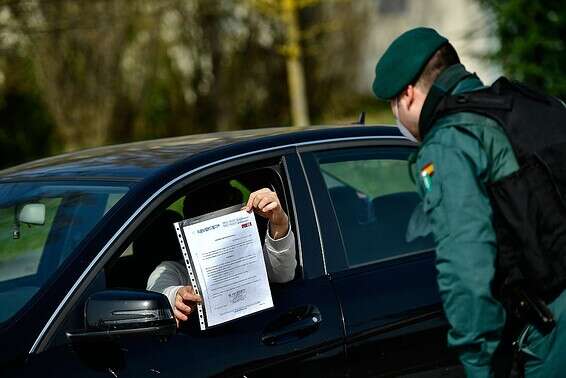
(265, 203)
(185, 303)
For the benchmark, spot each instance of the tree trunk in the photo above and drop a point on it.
(295, 71)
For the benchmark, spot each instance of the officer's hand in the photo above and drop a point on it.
(266, 204)
(185, 303)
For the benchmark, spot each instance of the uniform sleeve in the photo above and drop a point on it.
(456, 202)
(280, 257)
(167, 278)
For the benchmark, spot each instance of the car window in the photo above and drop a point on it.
(157, 241)
(40, 226)
(373, 199)
(373, 177)
(20, 254)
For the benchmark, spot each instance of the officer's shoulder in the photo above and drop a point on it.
(448, 140)
(450, 136)
(465, 120)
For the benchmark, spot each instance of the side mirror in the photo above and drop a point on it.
(32, 213)
(115, 313)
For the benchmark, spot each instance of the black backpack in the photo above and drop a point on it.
(529, 206)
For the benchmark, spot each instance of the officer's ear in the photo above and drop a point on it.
(393, 106)
(409, 96)
(401, 98)
(415, 98)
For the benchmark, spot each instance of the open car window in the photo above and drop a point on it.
(157, 241)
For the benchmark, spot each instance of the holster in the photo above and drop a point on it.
(530, 309)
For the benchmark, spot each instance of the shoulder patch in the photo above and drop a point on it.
(426, 173)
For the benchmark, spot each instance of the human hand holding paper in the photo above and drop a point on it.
(185, 303)
(266, 204)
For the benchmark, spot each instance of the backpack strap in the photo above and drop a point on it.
(444, 84)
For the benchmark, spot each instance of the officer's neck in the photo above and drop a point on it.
(443, 85)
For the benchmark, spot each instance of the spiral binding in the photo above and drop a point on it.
(200, 308)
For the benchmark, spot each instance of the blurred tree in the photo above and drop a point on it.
(287, 11)
(121, 70)
(321, 54)
(295, 70)
(333, 37)
(76, 47)
(532, 41)
(201, 66)
(25, 130)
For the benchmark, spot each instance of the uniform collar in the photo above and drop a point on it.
(445, 83)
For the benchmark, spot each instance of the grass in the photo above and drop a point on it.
(32, 238)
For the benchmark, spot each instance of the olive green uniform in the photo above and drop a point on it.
(460, 155)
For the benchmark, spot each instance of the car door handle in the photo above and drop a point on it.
(295, 324)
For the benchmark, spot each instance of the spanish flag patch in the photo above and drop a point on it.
(426, 173)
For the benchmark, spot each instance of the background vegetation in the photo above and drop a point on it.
(84, 73)
(78, 73)
(532, 37)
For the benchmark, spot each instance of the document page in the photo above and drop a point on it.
(226, 258)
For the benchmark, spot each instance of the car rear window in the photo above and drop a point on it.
(41, 224)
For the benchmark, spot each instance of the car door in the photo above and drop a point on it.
(303, 333)
(386, 284)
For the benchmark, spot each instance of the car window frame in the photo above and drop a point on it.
(132, 210)
(333, 242)
(164, 200)
(281, 186)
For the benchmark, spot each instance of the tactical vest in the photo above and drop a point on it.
(529, 206)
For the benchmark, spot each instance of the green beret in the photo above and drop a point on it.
(404, 60)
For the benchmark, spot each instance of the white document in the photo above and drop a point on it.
(224, 256)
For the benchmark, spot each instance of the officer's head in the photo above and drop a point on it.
(406, 71)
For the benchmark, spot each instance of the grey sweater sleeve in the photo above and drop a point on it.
(167, 278)
(279, 257)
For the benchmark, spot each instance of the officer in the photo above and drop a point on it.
(459, 156)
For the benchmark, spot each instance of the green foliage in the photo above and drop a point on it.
(115, 71)
(26, 130)
(532, 45)
(334, 33)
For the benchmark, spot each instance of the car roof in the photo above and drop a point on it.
(138, 160)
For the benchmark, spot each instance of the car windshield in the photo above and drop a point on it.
(41, 223)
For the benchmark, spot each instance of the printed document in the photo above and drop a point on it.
(224, 255)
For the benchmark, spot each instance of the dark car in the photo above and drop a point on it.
(81, 232)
